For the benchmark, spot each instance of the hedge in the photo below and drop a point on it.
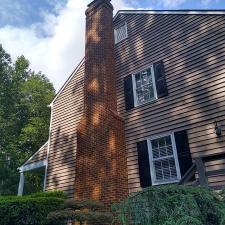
(81, 211)
(31, 209)
(172, 205)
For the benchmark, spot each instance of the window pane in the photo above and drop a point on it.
(154, 144)
(165, 169)
(162, 147)
(163, 152)
(155, 153)
(168, 140)
(144, 78)
(138, 80)
(169, 150)
(159, 175)
(161, 142)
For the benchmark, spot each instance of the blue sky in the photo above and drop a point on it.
(50, 33)
(179, 4)
(26, 12)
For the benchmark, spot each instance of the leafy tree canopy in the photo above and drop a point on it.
(24, 116)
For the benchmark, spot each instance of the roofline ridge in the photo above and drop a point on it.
(177, 11)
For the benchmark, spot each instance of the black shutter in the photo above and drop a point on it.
(183, 151)
(128, 92)
(143, 162)
(160, 79)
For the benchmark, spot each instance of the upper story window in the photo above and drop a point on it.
(120, 33)
(144, 86)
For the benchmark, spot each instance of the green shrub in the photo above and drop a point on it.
(80, 211)
(54, 194)
(171, 205)
(31, 209)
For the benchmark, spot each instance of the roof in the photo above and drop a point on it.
(175, 12)
(39, 155)
(67, 81)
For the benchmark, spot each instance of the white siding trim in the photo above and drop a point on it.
(33, 166)
(49, 140)
(176, 156)
(153, 81)
(35, 154)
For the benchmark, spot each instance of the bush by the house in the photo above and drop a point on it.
(80, 211)
(31, 209)
(172, 205)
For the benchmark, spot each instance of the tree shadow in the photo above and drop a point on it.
(67, 111)
(192, 48)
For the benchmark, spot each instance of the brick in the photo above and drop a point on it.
(101, 166)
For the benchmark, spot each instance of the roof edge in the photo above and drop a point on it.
(66, 82)
(33, 154)
(173, 12)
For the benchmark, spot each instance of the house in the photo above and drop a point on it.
(147, 102)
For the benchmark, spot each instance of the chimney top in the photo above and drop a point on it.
(96, 3)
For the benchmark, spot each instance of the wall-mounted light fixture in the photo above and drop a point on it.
(218, 128)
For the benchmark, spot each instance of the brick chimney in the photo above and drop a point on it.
(101, 166)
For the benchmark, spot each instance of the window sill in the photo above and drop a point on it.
(116, 43)
(166, 182)
(151, 102)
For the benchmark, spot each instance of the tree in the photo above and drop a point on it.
(24, 116)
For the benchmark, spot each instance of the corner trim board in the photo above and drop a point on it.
(49, 139)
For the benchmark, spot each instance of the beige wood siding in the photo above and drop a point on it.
(193, 50)
(66, 114)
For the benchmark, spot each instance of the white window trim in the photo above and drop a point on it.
(134, 86)
(152, 170)
(115, 33)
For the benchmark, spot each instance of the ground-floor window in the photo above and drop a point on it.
(164, 165)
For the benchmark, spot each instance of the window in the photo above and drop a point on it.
(164, 163)
(163, 159)
(120, 33)
(144, 86)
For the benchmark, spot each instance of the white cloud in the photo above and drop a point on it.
(57, 53)
(172, 3)
(208, 2)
